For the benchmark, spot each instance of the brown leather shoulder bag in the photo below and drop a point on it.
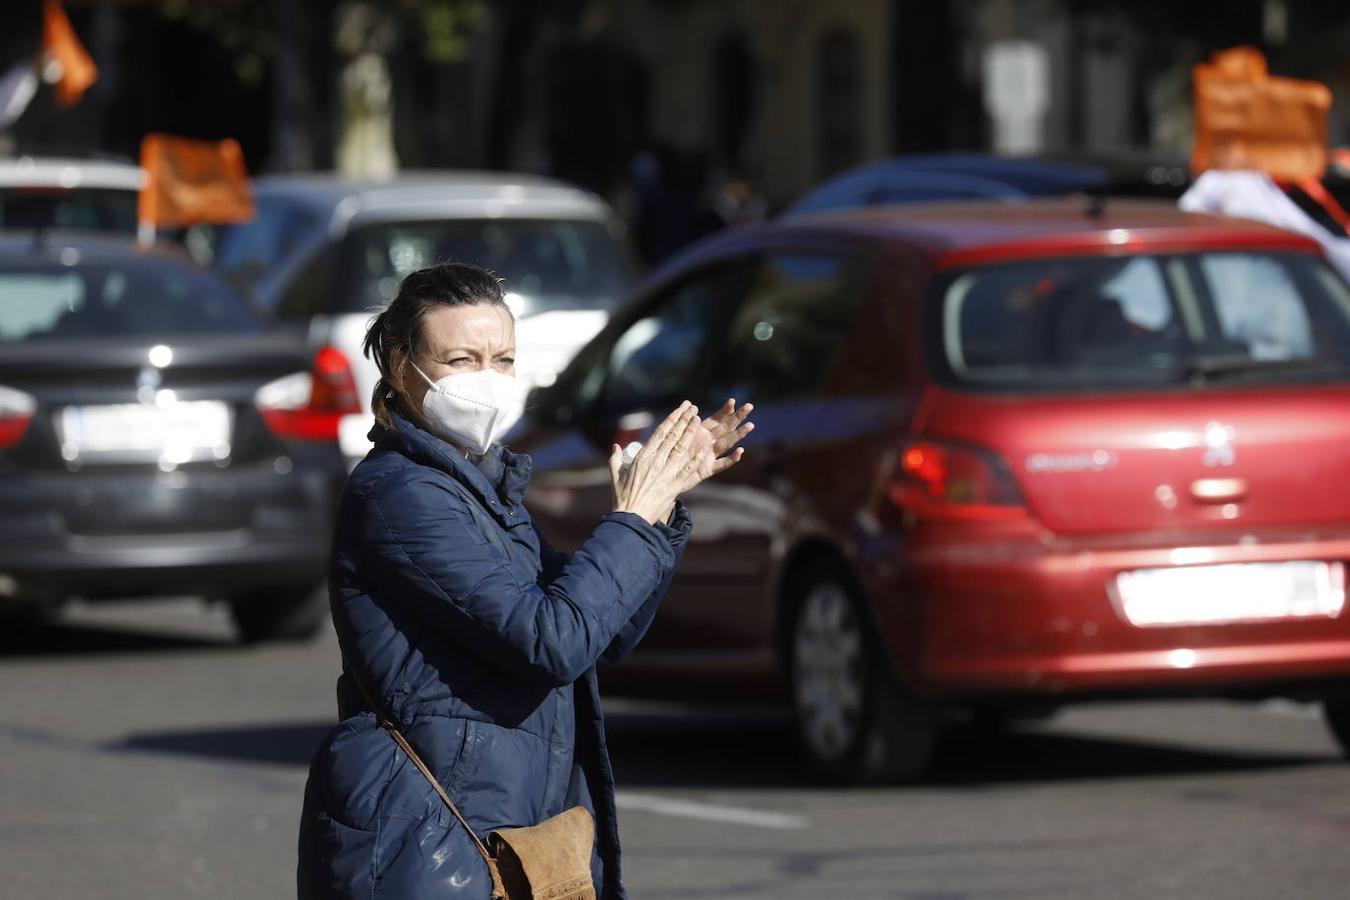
(548, 861)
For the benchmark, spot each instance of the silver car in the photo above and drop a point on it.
(46, 192)
(330, 252)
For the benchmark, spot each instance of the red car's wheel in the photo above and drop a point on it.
(853, 724)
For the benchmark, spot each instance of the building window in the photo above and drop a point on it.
(838, 100)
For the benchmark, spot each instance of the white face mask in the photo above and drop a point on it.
(472, 408)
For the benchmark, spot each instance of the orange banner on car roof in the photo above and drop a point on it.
(193, 181)
(62, 46)
(1246, 118)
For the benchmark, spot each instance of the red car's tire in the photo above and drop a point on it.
(853, 723)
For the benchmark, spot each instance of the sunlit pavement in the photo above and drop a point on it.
(143, 754)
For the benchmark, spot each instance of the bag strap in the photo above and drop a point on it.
(388, 725)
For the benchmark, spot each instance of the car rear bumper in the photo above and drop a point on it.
(210, 533)
(1035, 615)
(218, 563)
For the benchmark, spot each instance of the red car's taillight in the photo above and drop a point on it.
(308, 406)
(941, 478)
(16, 411)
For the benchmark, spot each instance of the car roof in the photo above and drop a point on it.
(66, 172)
(45, 246)
(960, 231)
(1033, 176)
(948, 176)
(431, 193)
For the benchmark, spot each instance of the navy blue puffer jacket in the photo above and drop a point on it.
(481, 641)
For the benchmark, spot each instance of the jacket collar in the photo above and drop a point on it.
(498, 479)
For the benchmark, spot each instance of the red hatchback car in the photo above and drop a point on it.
(1006, 457)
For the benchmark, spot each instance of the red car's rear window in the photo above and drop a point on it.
(1108, 322)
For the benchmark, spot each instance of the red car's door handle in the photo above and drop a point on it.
(1219, 490)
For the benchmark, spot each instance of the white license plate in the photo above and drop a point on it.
(177, 432)
(1240, 592)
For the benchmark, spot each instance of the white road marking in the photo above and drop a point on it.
(708, 812)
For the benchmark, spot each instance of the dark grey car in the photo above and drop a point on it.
(157, 438)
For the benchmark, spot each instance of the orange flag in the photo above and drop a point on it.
(193, 181)
(61, 45)
(1246, 118)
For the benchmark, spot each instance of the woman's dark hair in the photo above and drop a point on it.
(399, 326)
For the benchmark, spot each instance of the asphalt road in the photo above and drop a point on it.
(144, 755)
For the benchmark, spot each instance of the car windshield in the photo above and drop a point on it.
(1131, 321)
(138, 297)
(247, 250)
(546, 264)
(68, 209)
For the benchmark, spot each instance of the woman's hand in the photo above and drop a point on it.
(722, 431)
(711, 450)
(672, 456)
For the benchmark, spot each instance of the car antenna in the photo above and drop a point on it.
(1096, 206)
